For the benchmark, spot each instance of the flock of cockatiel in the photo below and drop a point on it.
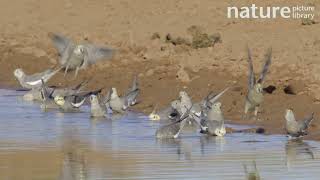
(207, 114)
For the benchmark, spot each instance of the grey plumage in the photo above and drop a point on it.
(78, 56)
(106, 99)
(173, 129)
(254, 97)
(176, 104)
(212, 98)
(97, 109)
(134, 85)
(209, 126)
(296, 128)
(185, 102)
(68, 91)
(131, 98)
(34, 81)
(73, 102)
(47, 100)
(196, 108)
(121, 104)
(133, 92)
(206, 102)
(214, 112)
(69, 103)
(211, 119)
(35, 94)
(167, 114)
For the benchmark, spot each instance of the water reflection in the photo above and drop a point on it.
(53, 145)
(181, 148)
(252, 172)
(297, 150)
(74, 167)
(207, 141)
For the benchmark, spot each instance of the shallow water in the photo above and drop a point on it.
(53, 145)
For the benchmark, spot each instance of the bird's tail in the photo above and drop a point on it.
(83, 84)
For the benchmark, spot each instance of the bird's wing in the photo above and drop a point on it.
(78, 101)
(268, 57)
(251, 77)
(35, 79)
(88, 93)
(81, 85)
(135, 83)
(95, 53)
(60, 42)
(215, 98)
(131, 97)
(51, 73)
(183, 117)
(306, 122)
(45, 91)
(39, 75)
(205, 103)
(107, 97)
(196, 118)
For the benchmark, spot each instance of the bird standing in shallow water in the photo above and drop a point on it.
(121, 104)
(173, 130)
(296, 128)
(72, 103)
(98, 109)
(211, 119)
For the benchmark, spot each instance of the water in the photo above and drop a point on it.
(53, 145)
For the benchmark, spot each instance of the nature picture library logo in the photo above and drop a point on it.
(271, 12)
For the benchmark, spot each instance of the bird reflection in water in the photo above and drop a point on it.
(297, 149)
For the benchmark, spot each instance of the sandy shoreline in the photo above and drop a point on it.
(160, 85)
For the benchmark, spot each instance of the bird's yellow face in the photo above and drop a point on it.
(220, 132)
(216, 105)
(79, 50)
(258, 87)
(59, 100)
(154, 117)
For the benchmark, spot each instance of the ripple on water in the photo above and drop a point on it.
(56, 145)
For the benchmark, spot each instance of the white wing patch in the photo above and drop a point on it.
(33, 83)
(77, 105)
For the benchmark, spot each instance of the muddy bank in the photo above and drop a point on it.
(161, 81)
(166, 68)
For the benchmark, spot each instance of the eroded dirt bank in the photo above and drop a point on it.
(161, 81)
